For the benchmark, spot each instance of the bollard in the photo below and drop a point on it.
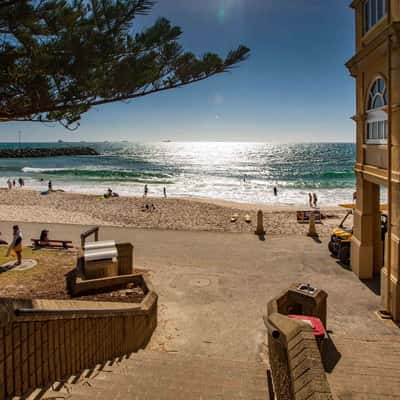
(312, 231)
(260, 224)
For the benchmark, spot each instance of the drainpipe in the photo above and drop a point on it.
(388, 304)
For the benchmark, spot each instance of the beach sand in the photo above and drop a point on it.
(174, 214)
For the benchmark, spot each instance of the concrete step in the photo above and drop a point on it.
(164, 376)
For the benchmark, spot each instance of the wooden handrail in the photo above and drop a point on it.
(19, 312)
(88, 233)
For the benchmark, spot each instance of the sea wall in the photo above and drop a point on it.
(47, 152)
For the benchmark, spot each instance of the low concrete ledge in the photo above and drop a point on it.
(297, 369)
(83, 286)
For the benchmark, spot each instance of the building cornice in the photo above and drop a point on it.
(355, 3)
(392, 30)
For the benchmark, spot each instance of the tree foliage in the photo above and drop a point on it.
(59, 58)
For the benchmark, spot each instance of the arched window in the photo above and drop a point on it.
(377, 127)
(374, 11)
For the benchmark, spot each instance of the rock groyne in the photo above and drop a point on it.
(47, 152)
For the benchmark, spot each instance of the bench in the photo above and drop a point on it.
(52, 244)
(304, 216)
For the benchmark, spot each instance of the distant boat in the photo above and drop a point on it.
(167, 141)
(60, 141)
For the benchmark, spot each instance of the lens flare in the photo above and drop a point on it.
(221, 14)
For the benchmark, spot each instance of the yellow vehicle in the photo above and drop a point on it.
(340, 242)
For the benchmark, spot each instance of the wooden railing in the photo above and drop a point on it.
(46, 341)
(94, 231)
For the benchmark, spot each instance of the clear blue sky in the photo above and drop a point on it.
(294, 87)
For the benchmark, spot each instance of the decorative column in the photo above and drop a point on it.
(365, 219)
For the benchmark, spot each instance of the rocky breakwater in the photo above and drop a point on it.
(47, 152)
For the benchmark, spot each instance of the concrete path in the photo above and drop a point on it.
(214, 288)
(366, 368)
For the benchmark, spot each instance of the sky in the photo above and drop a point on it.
(293, 88)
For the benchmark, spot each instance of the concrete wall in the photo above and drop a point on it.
(47, 341)
(295, 360)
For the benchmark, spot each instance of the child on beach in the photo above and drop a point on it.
(16, 245)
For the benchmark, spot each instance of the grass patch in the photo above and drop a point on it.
(45, 279)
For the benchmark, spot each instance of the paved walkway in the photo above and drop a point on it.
(366, 368)
(214, 288)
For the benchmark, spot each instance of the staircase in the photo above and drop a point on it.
(149, 375)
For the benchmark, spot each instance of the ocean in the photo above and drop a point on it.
(242, 172)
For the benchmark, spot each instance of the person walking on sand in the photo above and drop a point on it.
(275, 191)
(50, 185)
(315, 200)
(165, 192)
(9, 184)
(310, 200)
(16, 245)
(146, 190)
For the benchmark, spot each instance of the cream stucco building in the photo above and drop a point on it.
(376, 68)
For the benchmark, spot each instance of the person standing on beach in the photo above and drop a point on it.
(50, 186)
(146, 190)
(315, 200)
(165, 192)
(14, 184)
(275, 191)
(16, 245)
(310, 200)
(9, 184)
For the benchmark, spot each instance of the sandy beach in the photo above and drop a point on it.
(173, 214)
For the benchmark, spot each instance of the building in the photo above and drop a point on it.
(376, 68)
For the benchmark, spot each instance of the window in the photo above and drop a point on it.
(377, 126)
(374, 11)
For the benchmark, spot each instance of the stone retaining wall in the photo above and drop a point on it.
(42, 341)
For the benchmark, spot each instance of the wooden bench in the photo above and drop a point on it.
(52, 244)
(304, 216)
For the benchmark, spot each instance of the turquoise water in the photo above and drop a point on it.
(198, 169)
